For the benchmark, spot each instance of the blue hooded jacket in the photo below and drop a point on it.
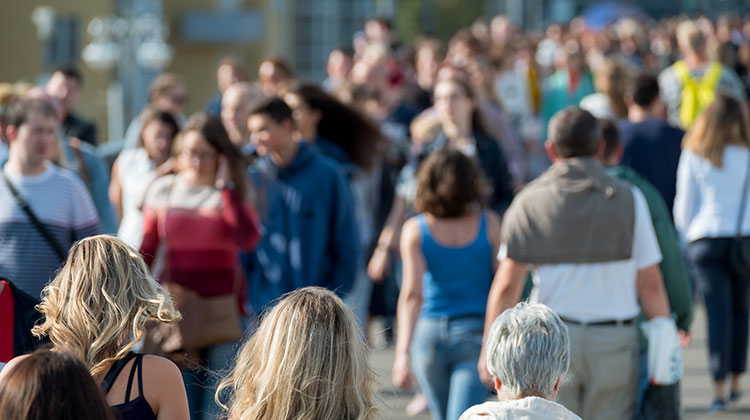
(310, 235)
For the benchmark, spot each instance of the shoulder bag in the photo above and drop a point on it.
(24, 205)
(206, 321)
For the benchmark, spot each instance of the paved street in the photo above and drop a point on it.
(696, 387)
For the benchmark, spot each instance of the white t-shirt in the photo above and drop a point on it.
(598, 291)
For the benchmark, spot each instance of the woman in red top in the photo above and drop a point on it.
(197, 221)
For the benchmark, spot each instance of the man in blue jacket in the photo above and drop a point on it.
(306, 210)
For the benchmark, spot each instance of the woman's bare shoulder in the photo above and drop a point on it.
(14, 361)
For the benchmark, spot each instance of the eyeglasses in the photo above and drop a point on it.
(177, 99)
(198, 154)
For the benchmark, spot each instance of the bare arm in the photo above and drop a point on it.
(115, 190)
(164, 389)
(387, 241)
(495, 238)
(651, 292)
(505, 292)
(409, 300)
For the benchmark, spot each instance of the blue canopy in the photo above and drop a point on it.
(602, 14)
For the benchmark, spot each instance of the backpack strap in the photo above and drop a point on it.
(75, 145)
(712, 76)
(696, 93)
(682, 71)
(135, 364)
(114, 371)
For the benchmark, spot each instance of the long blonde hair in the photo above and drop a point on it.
(307, 361)
(98, 304)
(721, 124)
(611, 79)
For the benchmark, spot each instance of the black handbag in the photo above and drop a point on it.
(739, 256)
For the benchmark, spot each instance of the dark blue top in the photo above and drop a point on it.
(213, 107)
(336, 153)
(310, 233)
(137, 408)
(457, 279)
(652, 148)
(492, 162)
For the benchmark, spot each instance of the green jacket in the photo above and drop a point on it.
(673, 265)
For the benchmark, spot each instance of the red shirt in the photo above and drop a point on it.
(202, 238)
(6, 324)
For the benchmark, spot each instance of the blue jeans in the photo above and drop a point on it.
(727, 296)
(201, 383)
(444, 355)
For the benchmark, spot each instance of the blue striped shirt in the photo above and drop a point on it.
(62, 203)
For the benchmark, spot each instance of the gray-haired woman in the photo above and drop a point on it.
(528, 352)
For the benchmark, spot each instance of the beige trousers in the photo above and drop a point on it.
(602, 382)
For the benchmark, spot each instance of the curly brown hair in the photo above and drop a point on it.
(449, 183)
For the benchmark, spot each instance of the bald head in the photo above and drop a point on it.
(236, 102)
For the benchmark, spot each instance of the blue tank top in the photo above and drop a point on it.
(457, 279)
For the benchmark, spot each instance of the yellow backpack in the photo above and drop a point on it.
(697, 93)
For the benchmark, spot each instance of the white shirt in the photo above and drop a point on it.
(598, 105)
(598, 291)
(529, 408)
(512, 90)
(136, 173)
(707, 201)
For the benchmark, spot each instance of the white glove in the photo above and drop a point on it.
(664, 351)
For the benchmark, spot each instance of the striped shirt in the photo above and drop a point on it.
(202, 229)
(63, 205)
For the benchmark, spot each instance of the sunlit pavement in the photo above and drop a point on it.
(697, 392)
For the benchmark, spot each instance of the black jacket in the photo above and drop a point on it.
(25, 316)
(491, 160)
(75, 126)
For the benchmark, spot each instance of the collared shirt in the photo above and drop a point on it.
(529, 408)
(598, 291)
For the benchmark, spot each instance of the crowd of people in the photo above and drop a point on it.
(228, 263)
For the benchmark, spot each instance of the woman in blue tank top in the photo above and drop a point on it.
(448, 254)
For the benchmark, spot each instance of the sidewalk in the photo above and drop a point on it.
(696, 386)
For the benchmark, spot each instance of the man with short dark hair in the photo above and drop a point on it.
(310, 235)
(588, 240)
(166, 93)
(43, 209)
(651, 146)
(65, 85)
(228, 72)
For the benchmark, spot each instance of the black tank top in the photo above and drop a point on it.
(137, 409)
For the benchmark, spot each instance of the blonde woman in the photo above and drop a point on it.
(96, 308)
(307, 360)
(610, 80)
(711, 193)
